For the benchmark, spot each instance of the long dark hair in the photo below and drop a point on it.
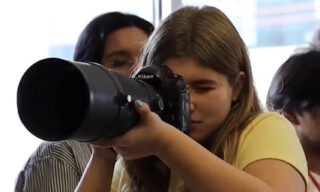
(90, 45)
(295, 87)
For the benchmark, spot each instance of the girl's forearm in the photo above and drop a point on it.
(203, 171)
(98, 174)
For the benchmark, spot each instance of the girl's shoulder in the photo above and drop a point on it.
(268, 121)
(268, 129)
(267, 117)
(270, 136)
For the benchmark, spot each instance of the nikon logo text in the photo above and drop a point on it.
(144, 76)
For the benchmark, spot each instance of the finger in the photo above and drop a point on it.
(142, 108)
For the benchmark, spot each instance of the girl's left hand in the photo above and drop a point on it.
(145, 139)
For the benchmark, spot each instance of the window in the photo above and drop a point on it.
(271, 29)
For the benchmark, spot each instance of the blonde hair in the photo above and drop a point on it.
(208, 36)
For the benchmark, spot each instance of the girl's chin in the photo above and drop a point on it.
(195, 136)
(204, 141)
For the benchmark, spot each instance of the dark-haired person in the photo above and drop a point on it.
(295, 93)
(114, 40)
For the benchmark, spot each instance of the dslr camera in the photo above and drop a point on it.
(59, 99)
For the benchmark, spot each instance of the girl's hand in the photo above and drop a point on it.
(145, 139)
(102, 151)
(99, 170)
(106, 153)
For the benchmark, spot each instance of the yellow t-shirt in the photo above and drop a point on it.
(269, 135)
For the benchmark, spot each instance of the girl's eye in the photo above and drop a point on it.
(203, 89)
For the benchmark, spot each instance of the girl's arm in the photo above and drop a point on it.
(203, 171)
(199, 168)
(99, 171)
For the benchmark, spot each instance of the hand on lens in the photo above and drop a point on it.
(144, 139)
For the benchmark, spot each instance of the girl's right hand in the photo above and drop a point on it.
(103, 152)
(99, 171)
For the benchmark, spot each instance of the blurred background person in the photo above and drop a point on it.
(114, 40)
(295, 93)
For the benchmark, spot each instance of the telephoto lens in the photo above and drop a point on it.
(59, 99)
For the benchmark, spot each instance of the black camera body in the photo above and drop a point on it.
(59, 99)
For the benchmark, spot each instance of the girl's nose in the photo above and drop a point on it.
(192, 103)
(191, 107)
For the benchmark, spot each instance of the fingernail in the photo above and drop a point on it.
(139, 103)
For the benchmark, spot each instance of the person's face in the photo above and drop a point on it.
(122, 47)
(211, 96)
(309, 126)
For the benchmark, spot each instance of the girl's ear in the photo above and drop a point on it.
(237, 88)
(291, 117)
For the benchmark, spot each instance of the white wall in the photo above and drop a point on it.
(265, 62)
(27, 29)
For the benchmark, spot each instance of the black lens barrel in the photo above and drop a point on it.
(59, 99)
